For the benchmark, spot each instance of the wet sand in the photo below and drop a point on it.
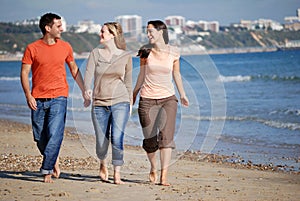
(192, 175)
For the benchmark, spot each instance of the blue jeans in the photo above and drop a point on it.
(110, 122)
(48, 124)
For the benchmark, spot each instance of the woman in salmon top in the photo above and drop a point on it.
(159, 65)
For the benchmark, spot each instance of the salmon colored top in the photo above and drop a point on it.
(158, 74)
(47, 62)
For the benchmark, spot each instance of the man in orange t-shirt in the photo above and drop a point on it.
(47, 99)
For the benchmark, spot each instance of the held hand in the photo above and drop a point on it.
(134, 98)
(88, 94)
(184, 101)
(86, 103)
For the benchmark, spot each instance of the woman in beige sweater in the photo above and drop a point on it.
(111, 69)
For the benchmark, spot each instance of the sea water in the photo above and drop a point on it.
(240, 104)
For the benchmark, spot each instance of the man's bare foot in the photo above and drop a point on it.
(153, 176)
(117, 178)
(47, 178)
(56, 170)
(103, 172)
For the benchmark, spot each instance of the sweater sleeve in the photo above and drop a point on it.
(90, 70)
(128, 78)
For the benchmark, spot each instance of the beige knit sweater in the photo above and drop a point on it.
(112, 79)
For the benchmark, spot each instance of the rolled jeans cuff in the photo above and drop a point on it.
(117, 162)
(46, 171)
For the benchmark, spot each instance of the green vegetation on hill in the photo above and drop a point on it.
(239, 39)
(81, 42)
(16, 37)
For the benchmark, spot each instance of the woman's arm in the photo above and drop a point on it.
(88, 77)
(178, 81)
(128, 78)
(140, 79)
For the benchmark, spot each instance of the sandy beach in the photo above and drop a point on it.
(192, 177)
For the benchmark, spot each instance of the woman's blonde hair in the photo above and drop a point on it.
(115, 28)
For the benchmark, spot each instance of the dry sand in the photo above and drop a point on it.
(192, 178)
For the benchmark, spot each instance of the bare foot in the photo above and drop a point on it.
(153, 176)
(117, 178)
(164, 183)
(47, 178)
(103, 172)
(56, 170)
(163, 178)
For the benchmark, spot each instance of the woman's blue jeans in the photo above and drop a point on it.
(48, 124)
(109, 123)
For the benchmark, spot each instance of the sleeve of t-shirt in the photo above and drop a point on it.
(27, 57)
(70, 56)
(175, 52)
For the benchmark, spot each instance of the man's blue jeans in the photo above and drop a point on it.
(110, 122)
(48, 124)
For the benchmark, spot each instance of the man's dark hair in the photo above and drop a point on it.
(47, 19)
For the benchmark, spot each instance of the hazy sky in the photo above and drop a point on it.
(100, 11)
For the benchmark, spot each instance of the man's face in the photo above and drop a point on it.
(56, 29)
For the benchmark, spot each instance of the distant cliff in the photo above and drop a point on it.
(15, 38)
(242, 39)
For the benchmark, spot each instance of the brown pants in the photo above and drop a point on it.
(158, 119)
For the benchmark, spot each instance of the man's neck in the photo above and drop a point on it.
(49, 40)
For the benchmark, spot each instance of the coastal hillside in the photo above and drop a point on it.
(14, 38)
(244, 38)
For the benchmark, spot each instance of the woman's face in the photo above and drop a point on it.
(105, 35)
(153, 34)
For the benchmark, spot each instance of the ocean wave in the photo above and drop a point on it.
(13, 107)
(257, 142)
(81, 109)
(215, 118)
(270, 123)
(246, 78)
(9, 78)
(237, 78)
(278, 124)
(277, 77)
(75, 96)
(295, 112)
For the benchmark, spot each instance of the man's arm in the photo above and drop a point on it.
(76, 75)
(24, 76)
(78, 78)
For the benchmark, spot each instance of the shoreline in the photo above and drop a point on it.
(233, 160)
(192, 177)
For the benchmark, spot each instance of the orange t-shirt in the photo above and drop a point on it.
(49, 77)
(158, 74)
